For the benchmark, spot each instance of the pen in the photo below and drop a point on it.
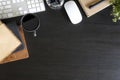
(95, 3)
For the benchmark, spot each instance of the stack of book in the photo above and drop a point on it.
(12, 43)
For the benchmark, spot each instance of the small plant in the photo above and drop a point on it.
(115, 10)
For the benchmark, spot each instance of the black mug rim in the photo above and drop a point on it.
(21, 22)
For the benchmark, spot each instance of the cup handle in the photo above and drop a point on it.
(35, 34)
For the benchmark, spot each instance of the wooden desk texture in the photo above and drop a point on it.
(63, 51)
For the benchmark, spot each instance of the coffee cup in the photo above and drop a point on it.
(30, 23)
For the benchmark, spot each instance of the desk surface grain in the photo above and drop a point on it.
(63, 51)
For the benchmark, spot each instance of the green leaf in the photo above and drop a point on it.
(115, 10)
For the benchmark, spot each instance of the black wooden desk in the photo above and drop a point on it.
(63, 51)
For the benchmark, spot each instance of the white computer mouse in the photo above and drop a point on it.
(73, 12)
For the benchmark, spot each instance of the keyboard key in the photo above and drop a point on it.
(1, 8)
(14, 1)
(28, 2)
(21, 12)
(33, 5)
(7, 10)
(32, 10)
(0, 16)
(29, 6)
(32, 1)
(3, 3)
(36, 0)
(38, 8)
(0, 12)
(8, 2)
(18, 1)
(25, 12)
(10, 14)
(37, 5)
(8, 6)
(42, 6)
(4, 15)
(20, 8)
